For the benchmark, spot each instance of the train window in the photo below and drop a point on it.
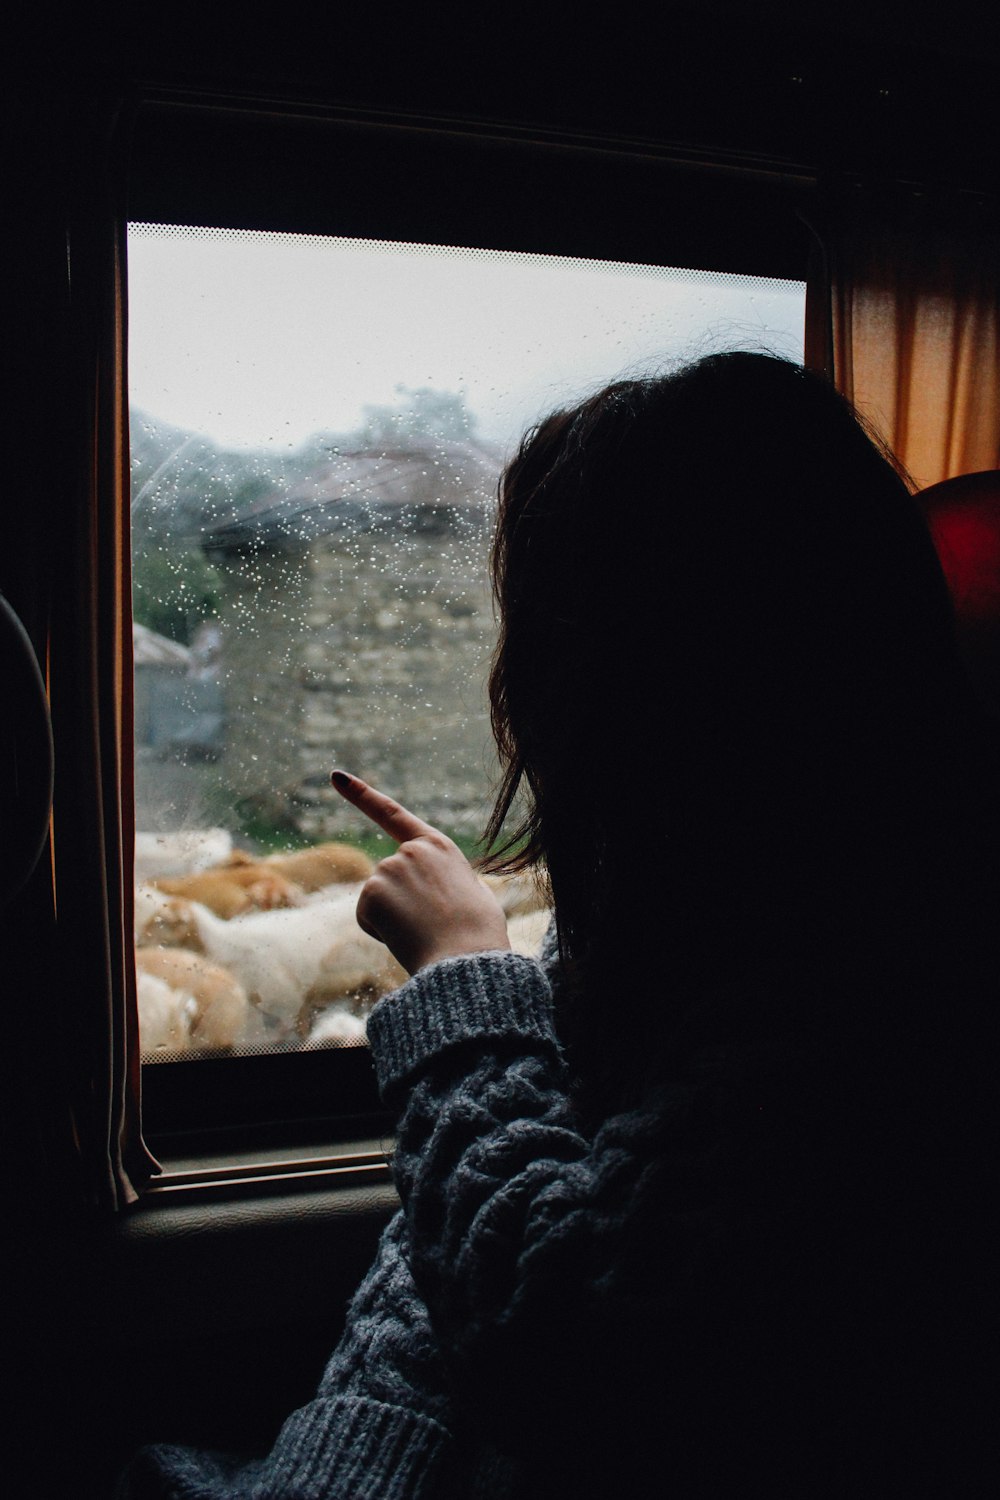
(318, 427)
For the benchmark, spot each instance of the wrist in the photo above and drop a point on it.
(440, 950)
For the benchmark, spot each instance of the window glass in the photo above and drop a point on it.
(318, 427)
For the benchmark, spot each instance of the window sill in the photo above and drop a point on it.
(226, 1176)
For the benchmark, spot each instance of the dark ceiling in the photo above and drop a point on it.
(896, 90)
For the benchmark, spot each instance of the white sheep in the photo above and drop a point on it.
(519, 894)
(182, 853)
(527, 929)
(338, 1023)
(165, 1015)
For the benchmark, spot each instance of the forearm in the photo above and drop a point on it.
(388, 1350)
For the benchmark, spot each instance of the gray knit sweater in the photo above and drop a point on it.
(468, 1047)
(681, 1294)
(518, 1247)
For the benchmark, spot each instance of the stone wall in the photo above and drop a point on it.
(263, 624)
(367, 650)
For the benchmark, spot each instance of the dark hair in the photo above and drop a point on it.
(726, 656)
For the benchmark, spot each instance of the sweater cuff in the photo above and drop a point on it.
(355, 1448)
(496, 996)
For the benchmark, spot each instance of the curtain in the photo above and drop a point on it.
(92, 664)
(73, 400)
(903, 313)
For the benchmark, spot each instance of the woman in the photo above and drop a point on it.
(699, 1201)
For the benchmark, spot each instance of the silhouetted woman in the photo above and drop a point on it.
(698, 1204)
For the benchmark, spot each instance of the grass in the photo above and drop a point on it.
(269, 838)
(377, 845)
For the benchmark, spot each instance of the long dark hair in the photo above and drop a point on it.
(726, 670)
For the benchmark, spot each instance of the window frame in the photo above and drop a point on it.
(198, 163)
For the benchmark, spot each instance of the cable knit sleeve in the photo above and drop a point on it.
(378, 1429)
(540, 1253)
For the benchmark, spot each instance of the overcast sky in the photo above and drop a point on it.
(259, 340)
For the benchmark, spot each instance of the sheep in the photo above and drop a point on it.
(527, 929)
(164, 921)
(218, 1013)
(519, 893)
(286, 959)
(355, 968)
(297, 962)
(165, 1015)
(158, 854)
(244, 883)
(336, 1024)
(228, 890)
(322, 865)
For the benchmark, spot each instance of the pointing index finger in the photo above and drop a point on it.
(390, 816)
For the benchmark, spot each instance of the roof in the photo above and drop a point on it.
(426, 485)
(152, 650)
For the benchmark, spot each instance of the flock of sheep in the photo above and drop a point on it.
(236, 951)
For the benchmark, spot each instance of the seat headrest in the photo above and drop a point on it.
(964, 518)
(963, 515)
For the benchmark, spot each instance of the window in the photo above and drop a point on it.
(319, 425)
(319, 421)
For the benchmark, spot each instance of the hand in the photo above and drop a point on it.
(425, 902)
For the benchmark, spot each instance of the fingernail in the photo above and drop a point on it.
(341, 780)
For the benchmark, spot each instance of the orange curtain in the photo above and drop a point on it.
(72, 264)
(98, 657)
(904, 315)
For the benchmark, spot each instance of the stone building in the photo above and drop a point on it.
(356, 630)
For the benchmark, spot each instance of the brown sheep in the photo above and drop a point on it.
(163, 921)
(244, 883)
(220, 1010)
(322, 865)
(229, 890)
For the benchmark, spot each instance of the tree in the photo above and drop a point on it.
(424, 412)
(174, 590)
